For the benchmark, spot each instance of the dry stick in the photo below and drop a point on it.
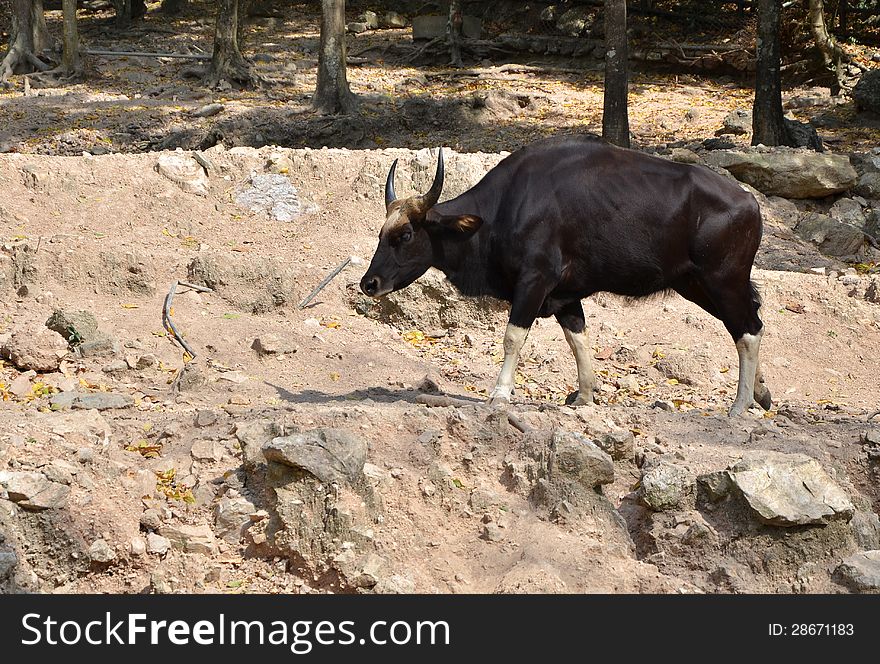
(327, 280)
(871, 417)
(440, 400)
(166, 314)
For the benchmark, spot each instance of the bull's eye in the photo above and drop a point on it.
(406, 236)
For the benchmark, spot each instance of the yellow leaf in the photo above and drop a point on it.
(334, 376)
(129, 306)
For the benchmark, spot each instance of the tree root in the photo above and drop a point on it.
(20, 61)
(234, 73)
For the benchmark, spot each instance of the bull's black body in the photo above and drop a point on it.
(567, 217)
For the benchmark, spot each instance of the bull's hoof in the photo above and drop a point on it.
(737, 410)
(764, 400)
(499, 397)
(575, 399)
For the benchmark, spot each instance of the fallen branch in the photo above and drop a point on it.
(166, 315)
(871, 417)
(143, 54)
(339, 268)
(441, 400)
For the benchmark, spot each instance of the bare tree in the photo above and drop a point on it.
(453, 32)
(833, 55)
(615, 113)
(28, 37)
(228, 65)
(332, 94)
(71, 60)
(768, 124)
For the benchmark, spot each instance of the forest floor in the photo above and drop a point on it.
(451, 489)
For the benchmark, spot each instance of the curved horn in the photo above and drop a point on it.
(430, 199)
(390, 196)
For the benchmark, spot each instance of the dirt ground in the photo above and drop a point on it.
(451, 501)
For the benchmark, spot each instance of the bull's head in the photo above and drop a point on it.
(407, 239)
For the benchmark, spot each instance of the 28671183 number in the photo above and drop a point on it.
(821, 629)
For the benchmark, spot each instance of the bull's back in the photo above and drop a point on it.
(615, 220)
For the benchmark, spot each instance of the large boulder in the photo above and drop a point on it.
(833, 237)
(580, 459)
(788, 172)
(35, 348)
(861, 571)
(331, 455)
(789, 489)
(866, 92)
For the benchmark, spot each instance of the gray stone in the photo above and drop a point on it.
(666, 486)
(232, 515)
(137, 546)
(492, 533)
(802, 135)
(207, 450)
(150, 519)
(101, 552)
(831, 236)
(185, 172)
(789, 489)
(269, 344)
(367, 573)
(35, 348)
(395, 584)
(101, 346)
(848, 211)
(392, 20)
(357, 27)
(868, 185)
(737, 122)
(370, 18)
(716, 486)
(274, 195)
(116, 366)
(157, 544)
(75, 326)
(788, 172)
(866, 92)
(206, 418)
(147, 361)
(575, 21)
(578, 458)
(192, 539)
(331, 455)
(34, 491)
(861, 570)
(63, 400)
(619, 444)
(209, 110)
(8, 561)
(102, 401)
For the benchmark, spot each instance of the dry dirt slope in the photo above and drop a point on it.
(450, 499)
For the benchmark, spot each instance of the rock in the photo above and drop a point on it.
(618, 444)
(232, 517)
(157, 544)
(209, 110)
(789, 489)
(370, 18)
(482, 500)
(788, 172)
(868, 185)
(861, 571)
(137, 546)
(666, 486)
(575, 21)
(115, 366)
(150, 519)
(207, 450)
(75, 326)
(433, 26)
(34, 491)
(357, 27)
(491, 532)
(848, 211)
(22, 384)
(832, 237)
(737, 122)
(685, 156)
(35, 348)
(392, 20)
(802, 135)
(192, 539)
(274, 195)
(8, 561)
(269, 344)
(395, 584)
(331, 455)
(206, 418)
(367, 574)
(102, 401)
(866, 92)
(101, 552)
(578, 458)
(185, 172)
(100, 346)
(716, 486)
(147, 361)
(630, 382)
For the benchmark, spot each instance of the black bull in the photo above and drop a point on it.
(565, 218)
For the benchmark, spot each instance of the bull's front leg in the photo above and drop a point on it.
(527, 302)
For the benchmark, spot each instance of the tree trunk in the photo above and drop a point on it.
(453, 32)
(228, 66)
(615, 114)
(28, 36)
(71, 64)
(833, 56)
(332, 94)
(768, 126)
(126, 10)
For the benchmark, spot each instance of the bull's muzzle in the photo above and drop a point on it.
(371, 285)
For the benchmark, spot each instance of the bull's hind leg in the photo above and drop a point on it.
(571, 319)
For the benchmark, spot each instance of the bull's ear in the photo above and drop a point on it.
(466, 224)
